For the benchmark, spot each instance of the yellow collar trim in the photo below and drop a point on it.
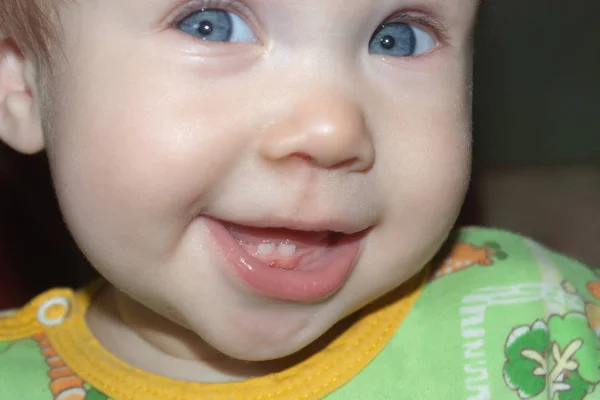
(314, 378)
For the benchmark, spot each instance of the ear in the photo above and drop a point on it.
(20, 122)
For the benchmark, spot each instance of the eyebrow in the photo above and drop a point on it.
(449, 8)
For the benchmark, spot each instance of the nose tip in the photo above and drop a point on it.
(329, 131)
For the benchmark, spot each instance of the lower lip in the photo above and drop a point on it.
(319, 280)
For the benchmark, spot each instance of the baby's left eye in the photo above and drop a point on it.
(401, 40)
(217, 26)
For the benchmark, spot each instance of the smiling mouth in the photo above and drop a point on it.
(285, 248)
(288, 264)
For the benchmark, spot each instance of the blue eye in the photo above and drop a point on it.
(401, 40)
(217, 26)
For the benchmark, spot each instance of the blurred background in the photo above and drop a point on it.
(537, 122)
(537, 149)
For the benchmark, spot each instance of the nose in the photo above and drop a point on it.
(327, 130)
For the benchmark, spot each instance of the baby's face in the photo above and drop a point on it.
(194, 143)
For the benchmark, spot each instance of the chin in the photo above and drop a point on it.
(262, 338)
(245, 350)
(265, 354)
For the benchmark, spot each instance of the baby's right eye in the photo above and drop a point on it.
(401, 40)
(217, 26)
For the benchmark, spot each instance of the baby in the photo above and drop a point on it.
(268, 189)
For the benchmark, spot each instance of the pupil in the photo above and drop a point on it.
(388, 42)
(205, 28)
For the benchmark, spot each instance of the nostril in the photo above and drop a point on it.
(303, 157)
(346, 164)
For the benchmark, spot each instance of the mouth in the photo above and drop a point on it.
(284, 248)
(304, 265)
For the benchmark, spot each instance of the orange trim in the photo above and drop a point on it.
(59, 373)
(314, 378)
(60, 385)
(64, 383)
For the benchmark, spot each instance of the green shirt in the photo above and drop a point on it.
(496, 316)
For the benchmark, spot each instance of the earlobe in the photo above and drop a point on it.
(20, 123)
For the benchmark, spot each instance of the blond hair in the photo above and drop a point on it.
(33, 25)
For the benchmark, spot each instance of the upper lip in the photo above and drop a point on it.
(331, 225)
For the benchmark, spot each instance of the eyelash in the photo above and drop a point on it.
(425, 21)
(227, 5)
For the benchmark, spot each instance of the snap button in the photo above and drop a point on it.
(54, 311)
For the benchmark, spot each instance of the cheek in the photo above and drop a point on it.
(427, 153)
(424, 155)
(135, 157)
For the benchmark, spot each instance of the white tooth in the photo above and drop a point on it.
(286, 249)
(265, 249)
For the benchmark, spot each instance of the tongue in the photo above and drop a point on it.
(281, 248)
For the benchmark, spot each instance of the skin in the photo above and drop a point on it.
(148, 128)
